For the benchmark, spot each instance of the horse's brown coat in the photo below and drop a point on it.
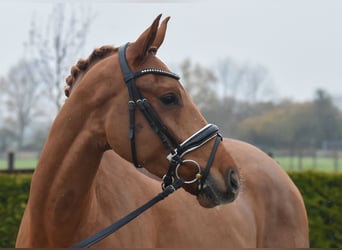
(269, 211)
(77, 188)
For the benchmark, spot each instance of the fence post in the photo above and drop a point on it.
(335, 160)
(300, 159)
(292, 154)
(10, 161)
(314, 158)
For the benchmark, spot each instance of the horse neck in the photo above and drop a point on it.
(118, 181)
(61, 184)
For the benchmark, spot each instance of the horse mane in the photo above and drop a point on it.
(84, 64)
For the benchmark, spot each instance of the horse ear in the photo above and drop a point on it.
(141, 46)
(161, 34)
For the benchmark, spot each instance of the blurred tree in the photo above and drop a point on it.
(257, 82)
(6, 133)
(37, 134)
(269, 130)
(199, 83)
(296, 125)
(328, 118)
(228, 113)
(56, 46)
(284, 127)
(250, 82)
(230, 77)
(222, 114)
(7, 136)
(20, 93)
(2, 86)
(302, 124)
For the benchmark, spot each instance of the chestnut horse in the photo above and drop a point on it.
(78, 188)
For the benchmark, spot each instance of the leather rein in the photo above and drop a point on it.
(172, 180)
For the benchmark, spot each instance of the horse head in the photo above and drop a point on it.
(148, 118)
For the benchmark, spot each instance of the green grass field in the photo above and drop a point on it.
(325, 164)
(20, 164)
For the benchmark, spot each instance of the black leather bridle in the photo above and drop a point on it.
(177, 151)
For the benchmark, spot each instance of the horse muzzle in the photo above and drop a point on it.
(213, 194)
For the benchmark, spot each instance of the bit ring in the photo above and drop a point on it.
(197, 176)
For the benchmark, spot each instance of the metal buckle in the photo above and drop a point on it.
(163, 181)
(171, 155)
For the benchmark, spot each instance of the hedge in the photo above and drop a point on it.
(321, 192)
(14, 191)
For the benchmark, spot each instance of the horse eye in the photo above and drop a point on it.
(169, 99)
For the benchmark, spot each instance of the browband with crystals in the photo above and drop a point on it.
(156, 71)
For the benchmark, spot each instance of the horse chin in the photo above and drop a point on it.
(206, 198)
(211, 195)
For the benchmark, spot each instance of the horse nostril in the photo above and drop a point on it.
(233, 181)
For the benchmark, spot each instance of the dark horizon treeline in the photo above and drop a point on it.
(312, 124)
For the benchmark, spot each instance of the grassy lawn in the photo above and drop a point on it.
(326, 164)
(20, 163)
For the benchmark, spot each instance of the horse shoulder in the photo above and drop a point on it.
(278, 206)
(24, 238)
(119, 189)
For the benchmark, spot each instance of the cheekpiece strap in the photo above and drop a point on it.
(126, 71)
(137, 99)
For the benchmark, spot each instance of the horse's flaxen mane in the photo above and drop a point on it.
(84, 64)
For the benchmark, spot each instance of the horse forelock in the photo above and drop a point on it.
(84, 64)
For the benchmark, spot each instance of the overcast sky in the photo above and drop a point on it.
(298, 41)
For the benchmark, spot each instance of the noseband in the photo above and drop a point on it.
(177, 151)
